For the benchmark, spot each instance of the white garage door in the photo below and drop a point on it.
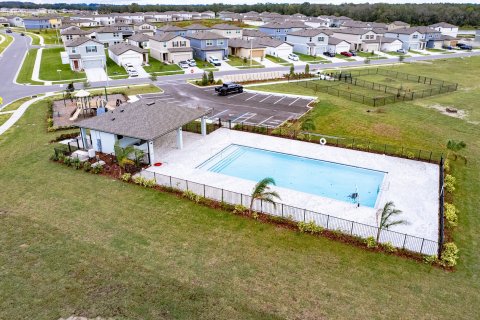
(371, 47)
(134, 60)
(342, 48)
(216, 54)
(177, 57)
(284, 52)
(88, 64)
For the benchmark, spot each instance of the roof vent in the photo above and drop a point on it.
(113, 119)
(149, 103)
(122, 110)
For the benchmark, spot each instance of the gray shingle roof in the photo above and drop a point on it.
(144, 119)
(139, 37)
(443, 25)
(240, 43)
(74, 31)
(121, 48)
(167, 36)
(196, 26)
(224, 26)
(285, 25)
(269, 42)
(170, 28)
(81, 40)
(309, 32)
(206, 35)
(335, 41)
(254, 33)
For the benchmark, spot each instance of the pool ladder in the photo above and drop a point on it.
(227, 160)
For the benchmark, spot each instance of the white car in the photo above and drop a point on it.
(192, 62)
(128, 65)
(132, 72)
(402, 51)
(293, 57)
(214, 61)
(183, 64)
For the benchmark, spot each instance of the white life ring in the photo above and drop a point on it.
(323, 141)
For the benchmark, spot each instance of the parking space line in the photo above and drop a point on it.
(279, 100)
(216, 115)
(265, 98)
(252, 96)
(246, 115)
(236, 95)
(294, 101)
(265, 120)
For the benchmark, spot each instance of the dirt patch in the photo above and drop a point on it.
(460, 114)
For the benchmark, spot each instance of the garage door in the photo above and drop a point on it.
(257, 53)
(177, 57)
(88, 64)
(342, 48)
(134, 60)
(216, 54)
(283, 52)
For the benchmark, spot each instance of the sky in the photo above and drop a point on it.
(246, 1)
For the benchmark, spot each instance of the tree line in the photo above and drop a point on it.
(413, 13)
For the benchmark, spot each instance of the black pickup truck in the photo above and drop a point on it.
(229, 87)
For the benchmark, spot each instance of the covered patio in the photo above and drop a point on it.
(149, 125)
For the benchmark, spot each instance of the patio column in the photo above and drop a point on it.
(179, 138)
(204, 126)
(151, 153)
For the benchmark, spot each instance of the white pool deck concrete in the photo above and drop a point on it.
(411, 185)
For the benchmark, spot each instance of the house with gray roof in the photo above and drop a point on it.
(280, 30)
(275, 47)
(123, 53)
(227, 30)
(312, 42)
(170, 48)
(109, 35)
(85, 53)
(72, 33)
(141, 40)
(193, 28)
(445, 29)
(209, 44)
(253, 34)
(146, 124)
(246, 49)
(171, 29)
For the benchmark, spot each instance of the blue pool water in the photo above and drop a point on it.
(323, 178)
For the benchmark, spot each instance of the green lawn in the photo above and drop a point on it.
(418, 52)
(205, 65)
(25, 74)
(394, 53)
(341, 56)
(369, 55)
(15, 104)
(51, 62)
(35, 38)
(310, 59)
(158, 67)
(278, 60)
(436, 50)
(4, 118)
(50, 36)
(136, 253)
(6, 42)
(113, 68)
(240, 63)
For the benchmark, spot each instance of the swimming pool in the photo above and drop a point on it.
(323, 178)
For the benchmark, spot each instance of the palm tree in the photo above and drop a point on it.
(454, 147)
(386, 215)
(262, 191)
(122, 155)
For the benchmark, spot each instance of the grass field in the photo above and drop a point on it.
(240, 63)
(135, 253)
(394, 53)
(156, 66)
(6, 42)
(4, 118)
(205, 65)
(50, 36)
(278, 60)
(348, 88)
(395, 82)
(25, 74)
(310, 59)
(51, 62)
(15, 104)
(418, 52)
(113, 68)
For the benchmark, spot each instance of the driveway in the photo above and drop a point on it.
(141, 72)
(96, 74)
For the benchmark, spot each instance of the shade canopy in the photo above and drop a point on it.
(82, 94)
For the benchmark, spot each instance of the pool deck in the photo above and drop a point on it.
(411, 185)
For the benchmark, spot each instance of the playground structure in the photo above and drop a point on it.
(86, 105)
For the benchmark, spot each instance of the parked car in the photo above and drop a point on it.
(229, 87)
(353, 52)
(329, 54)
(466, 47)
(128, 65)
(346, 54)
(22, 34)
(132, 72)
(448, 47)
(459, 44)
(402, 51)
(192, 62)
(214, 61)
(8, 31)
(183, 64)
(293, 57)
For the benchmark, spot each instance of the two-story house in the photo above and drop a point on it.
(397, 25)
(356, 38)
(410, 37)
(279, 30)
(37, 23)
(446, 29)
(144, 27)
(227, 30)
(72, 33)
(309, 41)
(140, 40)
(109, 36)
(170, 48)
(249, 34)
(15, 21)
(171, 29)
(84, 53)
(433, 37)
(193, 28)
(209, 44)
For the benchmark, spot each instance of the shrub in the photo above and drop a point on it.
(449, 183)
(138, 179)
(449, 255)
(239, 209)
(255, 215)
(430, 259)
(450, 179)
(451, 214)
(190, 195)
(61, 157)
(204, 79)
(76, 163)
(211, 78)
(97, 169)
(149, 183)
(219, 81)
(126, 177)
(446, 165)
(307, 68)
(54, 157)
(410, 155)
(370, 242)
(87, 166)
(49, 122)
(389, 247)
(67, 161)
(309, 227)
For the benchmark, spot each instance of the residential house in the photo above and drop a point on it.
(309, 41)
(209, 44)
(433, 38)
(208, 15)
(246, 49)
(144, 27)
(317, 23)
(170, 48)
(249, 34)
(140, 40)
(382, 43)
(227, 30)
(336, 22)
(171, 29)
(72, 33)
(397, 25)
(279, 31)
(124, 53)
(411, 38)
(356, 38)
(275, 47)
(446, 29)
(15, 21)
(253, 21)
(84, 53)
(55, 22)
(4, 22)
(37, 23)
(193, 28)
(109, 36)
(337, 46)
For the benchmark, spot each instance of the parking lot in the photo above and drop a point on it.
(251, 108)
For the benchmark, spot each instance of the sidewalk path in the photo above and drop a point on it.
(17, 114)
(36, 66)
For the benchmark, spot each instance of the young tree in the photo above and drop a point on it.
(211, 78)
(386, 216)
(308, 124)
(307, 68)
(262, 191)
(122, 155)
(454, 147)
(70, 87)
(292, 70)
(204, 79)
(401, 58)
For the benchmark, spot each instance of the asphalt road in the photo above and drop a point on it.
(12, 59)
(248, 107)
